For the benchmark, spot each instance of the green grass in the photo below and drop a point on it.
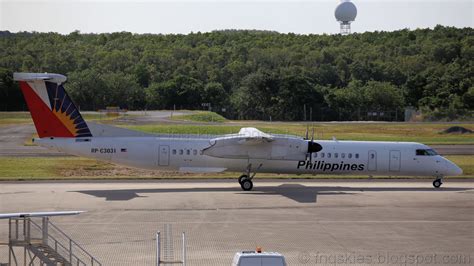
(202, 116)
(425, 133)
(38, 168)
(12, 118)
(186, 129)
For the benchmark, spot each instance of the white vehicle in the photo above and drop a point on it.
(252, 258)
(60, 126)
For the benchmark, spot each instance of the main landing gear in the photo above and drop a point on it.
(438, 182)
(245, 180)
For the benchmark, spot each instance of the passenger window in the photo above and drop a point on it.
(336, 155)
(180, 152)
(188, 152)
(357, 156)
(372, 156)
(322, 154)
(174, 152)
(329, 155)
(349, 155)
(195, 152)
(315, 155)
(343, 155)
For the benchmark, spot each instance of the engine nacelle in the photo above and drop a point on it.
(279, 148)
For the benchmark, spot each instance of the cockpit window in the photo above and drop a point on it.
(426, 152)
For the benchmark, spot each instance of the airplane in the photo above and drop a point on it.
(60, 126)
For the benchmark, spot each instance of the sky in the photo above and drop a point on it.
(185, 16)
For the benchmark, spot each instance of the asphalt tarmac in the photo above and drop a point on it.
(396, 222)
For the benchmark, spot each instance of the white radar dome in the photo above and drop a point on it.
(345, 11)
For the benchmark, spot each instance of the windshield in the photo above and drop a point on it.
(426, 152)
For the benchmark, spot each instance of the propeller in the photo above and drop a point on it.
(312, 141)
(313, 146)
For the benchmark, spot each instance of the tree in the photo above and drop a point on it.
(382, 96)
(181, 91)
(255, 97)
(215, 94)
(274, 74)
(10, 93)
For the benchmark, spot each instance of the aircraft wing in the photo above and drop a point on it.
(37, 214)
(251, 143)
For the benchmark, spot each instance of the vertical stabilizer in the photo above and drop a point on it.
(51, 108)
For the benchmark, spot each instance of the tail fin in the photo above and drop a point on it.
(53, 112)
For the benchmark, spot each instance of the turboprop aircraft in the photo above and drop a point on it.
(60, 126)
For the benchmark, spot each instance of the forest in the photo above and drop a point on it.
(249, 74)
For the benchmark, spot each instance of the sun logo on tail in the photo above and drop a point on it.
(66, 112)
(67, 121)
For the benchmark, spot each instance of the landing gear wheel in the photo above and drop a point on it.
(241, 178)
(437, 183)
(246, 184)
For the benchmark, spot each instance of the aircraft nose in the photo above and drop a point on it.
(453, 169)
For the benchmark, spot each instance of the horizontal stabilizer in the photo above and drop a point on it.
(56, 78)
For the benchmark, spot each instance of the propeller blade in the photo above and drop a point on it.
(311, 146)
(307, 131)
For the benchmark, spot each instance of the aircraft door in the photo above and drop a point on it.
(372, 160)
(164, 155)
(395, 161)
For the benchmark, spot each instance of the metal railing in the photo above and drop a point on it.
(26, 232)
(74, 251)
(159, 260)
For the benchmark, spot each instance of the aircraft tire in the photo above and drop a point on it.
(437, 183)
(246, 184)
(241, 178)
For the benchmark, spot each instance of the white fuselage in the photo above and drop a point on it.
(185, 154)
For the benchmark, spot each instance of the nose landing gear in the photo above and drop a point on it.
(437, 182)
